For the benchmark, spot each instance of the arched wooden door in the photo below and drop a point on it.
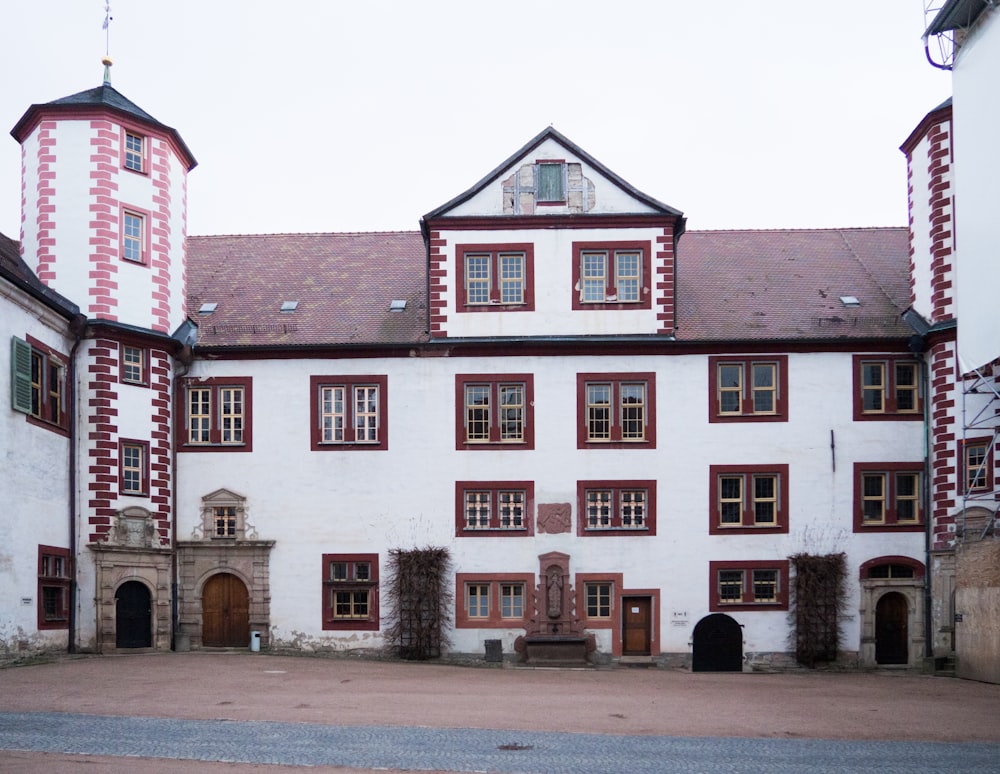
(718, 645)
(891, 629)
(133, 616)
(225, 612)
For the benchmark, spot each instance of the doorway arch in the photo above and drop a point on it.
(891, 629)
(718, 645)
(133, 616)
(225, 613)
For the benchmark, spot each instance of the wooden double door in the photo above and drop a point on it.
(225, 612)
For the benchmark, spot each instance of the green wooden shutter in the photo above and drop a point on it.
(20, 366)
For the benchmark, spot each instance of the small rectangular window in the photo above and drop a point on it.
(134, 467)
(598, 597)
(748, 389)
(616, 507)
(349, 414)
(748, 498)
(611, 275)
(495, 278)
(54, 576)
(133, 236)
(494, 411)
(751, 584)
(38, 383)
(616, 410)
(134, 152)
(350, 592)
(216, 414)
(491, 601)
(550, 182)
(133, 365)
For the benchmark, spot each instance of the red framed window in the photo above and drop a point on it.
(891, 567)
(38, 384)
(492, 600)
(54, 574)
(350, 592)
(888, 497)
(217, 414)
(135, 237)
(616, 507)
(887, 387)
(745, 389)
(976, 456)
(349, 412)
(133, 365)
(748, 585)
(134, 151)
(494, 411)
(598, 599)
(496, 277)
(616, 411)
(133, 467)
(612, 275)
(494, 508)
(748, 498)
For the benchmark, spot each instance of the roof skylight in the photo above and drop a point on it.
(398, 305)
(287, 307)
(850, 301)
(208, 307)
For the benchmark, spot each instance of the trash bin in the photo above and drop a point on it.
(494, 651)
(182, 642)
(254, 642)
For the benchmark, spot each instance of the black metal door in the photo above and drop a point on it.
(133, 611)
(718, 645)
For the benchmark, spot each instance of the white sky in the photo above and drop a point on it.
(328, 115)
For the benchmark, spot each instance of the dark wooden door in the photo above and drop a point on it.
(718, 645)
(133, 616)
(891, 630)
(636, 626)
(225, 612)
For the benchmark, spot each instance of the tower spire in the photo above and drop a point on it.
(106, 60)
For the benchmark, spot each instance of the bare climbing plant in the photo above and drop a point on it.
(420, 600)
(816, 605)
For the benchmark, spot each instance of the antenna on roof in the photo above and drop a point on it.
(106, 59)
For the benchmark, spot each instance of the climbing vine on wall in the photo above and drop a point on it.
(816, 605)
(420, 599)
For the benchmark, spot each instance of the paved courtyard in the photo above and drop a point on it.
(220, 712)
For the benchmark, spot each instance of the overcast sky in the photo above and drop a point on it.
(322, 115)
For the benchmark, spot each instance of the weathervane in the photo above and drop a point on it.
(107, 42)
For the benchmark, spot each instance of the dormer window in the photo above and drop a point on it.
(551, 182)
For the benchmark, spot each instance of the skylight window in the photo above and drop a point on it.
(398, 305)
(287, 307)
(208, 308)
(850, 301)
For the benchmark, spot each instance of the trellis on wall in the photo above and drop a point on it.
(419, 600)
(816, 604)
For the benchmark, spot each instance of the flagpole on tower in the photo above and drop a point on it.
(107, 42)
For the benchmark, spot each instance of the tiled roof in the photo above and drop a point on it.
(14, 269)
(343, 283)
(760, 285)
(732, 285)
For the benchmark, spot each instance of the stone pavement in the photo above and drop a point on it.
(221, 712)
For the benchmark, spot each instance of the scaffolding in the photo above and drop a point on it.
(976, 470)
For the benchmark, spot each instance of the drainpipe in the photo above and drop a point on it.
(78, 326)
(181, 370)
(928, 514)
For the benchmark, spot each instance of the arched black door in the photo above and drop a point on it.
(133, 611)
(718, 645)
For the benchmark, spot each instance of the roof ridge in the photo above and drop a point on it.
(792, 229)
(305, 233)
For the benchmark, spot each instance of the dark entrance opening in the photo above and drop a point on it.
(891, 630)
(133, 616)
(718, 645)
(225, 612)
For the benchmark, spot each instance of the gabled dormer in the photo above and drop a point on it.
(551, 243)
